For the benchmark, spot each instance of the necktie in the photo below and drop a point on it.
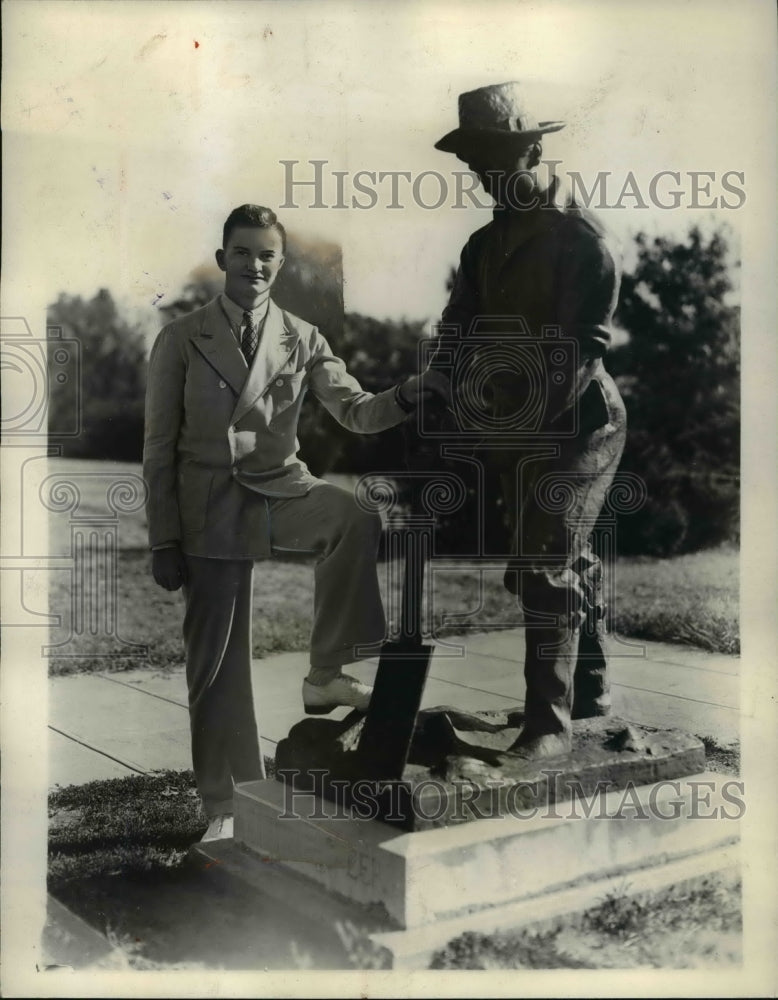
(249, 339)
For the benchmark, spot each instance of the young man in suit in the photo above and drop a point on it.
(225, 488)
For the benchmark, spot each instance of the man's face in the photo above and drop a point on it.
(250, 261)
(504, 172)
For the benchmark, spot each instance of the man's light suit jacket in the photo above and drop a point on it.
(219, 438)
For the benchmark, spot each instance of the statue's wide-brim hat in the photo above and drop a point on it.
(495, 113)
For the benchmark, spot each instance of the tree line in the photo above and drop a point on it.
(678, 369)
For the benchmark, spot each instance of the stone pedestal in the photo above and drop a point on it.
(475, 839)
(514, 861)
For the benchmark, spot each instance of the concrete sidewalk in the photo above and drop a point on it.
(106, 725)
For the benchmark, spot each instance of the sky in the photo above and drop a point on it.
(132, 128)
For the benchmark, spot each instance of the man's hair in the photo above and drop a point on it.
(253, 215)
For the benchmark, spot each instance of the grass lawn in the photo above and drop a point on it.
(690, 599)
(692, 926)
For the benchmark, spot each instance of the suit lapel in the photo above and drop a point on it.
(216, 342)
(275, 346)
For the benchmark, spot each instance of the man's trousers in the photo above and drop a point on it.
(326, 524)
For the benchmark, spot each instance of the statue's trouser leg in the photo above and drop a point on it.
(549, 664)
(591, 687)
(556, 503)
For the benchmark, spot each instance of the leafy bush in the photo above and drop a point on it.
(679, 373)
(108, 398)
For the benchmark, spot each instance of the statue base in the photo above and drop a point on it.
(459, 768)
(473, 838)
(412, 892)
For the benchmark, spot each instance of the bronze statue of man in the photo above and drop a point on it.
(547, 263)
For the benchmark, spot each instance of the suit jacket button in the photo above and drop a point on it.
(279, 381)
(234, 472)
(222, 385)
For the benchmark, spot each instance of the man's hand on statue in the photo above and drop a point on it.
(168, 567)
(431, 384)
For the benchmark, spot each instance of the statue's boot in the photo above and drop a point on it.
(548, 669)
(591, 687)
